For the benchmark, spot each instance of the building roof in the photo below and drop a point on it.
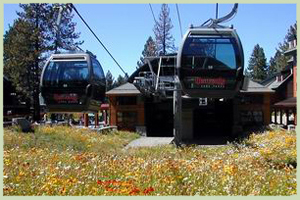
(276, 84)
(125, 89)
(291, 51)
(290, 102)
(254, 87)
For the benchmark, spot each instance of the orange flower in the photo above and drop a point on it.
(148, 190)
(109, 189)
(134, 191)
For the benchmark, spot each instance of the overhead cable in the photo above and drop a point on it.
(98, 39)
(179, 19)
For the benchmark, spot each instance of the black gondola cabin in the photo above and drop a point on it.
(73, 82)
(211, 62)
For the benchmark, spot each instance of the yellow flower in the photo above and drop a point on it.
(7, 162)
(230, 169)
(290, 141)
(217, 165)
(21, 173)
(271, 135)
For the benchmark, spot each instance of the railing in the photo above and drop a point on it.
(157, 83)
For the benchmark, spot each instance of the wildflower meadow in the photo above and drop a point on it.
(69, 161)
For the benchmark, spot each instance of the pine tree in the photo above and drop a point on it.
(149, 50)
(33, 33)
(292, 33)
(164, 39)
(120, 81)
(18, 57)
(66, 37)
(109, 81)
(280, 61)
(257, 67)
(276, 62)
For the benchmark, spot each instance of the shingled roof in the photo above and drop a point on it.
(254, 87)
(125, 89)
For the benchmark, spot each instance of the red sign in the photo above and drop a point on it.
(65, 98)
(210, 81)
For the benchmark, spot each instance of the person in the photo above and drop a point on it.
(80, 121)
(71, 119)
(45, 118)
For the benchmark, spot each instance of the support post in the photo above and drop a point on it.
(287, 116)
(104, 117)
(295, 116)
(86, 120)
(96, 115)
(177, 113)
(281, 116)
(275, 115)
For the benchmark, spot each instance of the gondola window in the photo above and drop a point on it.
(70, 72)
(97, 69)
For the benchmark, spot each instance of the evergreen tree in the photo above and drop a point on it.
(18, 57)
(275, 63)
(149, 50)
(292, 33)
(109, 81)
(120, 81)
(27, 42)
(164, 39)
(257, 67)
(280, 61)
(64, 35)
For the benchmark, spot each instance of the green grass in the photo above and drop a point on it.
(62, 138)
(69, 161)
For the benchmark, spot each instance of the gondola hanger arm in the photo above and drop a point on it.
(215, 22)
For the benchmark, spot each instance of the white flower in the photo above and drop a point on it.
(256, 154)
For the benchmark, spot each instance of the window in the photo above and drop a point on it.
(97, 69)
(127, 100)
(127, 120)
(210, 53)
(69, 72)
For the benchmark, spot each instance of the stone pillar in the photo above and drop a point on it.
(86, 119)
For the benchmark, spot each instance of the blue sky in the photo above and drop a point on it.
(124, 28)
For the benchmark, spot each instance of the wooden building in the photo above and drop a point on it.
(126, 108)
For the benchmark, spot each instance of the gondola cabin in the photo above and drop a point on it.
(211, 62)
(73, 82)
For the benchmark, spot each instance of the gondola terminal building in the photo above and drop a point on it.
(132, 107)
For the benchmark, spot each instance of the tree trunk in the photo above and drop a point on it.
(36, 90)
